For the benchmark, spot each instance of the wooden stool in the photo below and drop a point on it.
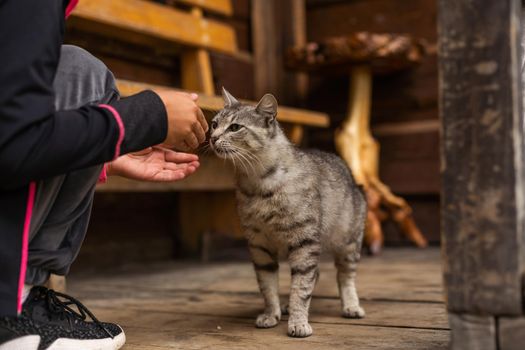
(361, 55)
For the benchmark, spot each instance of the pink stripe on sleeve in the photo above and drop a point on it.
(122, 131)
(70, 7)
(103, 177)
(25, 243)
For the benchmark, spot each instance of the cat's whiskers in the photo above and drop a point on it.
(240, 158)
(240, 153)
(233, 155)
(250, 157)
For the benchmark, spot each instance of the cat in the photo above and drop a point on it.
(292, 203)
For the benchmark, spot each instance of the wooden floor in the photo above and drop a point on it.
(195, 306)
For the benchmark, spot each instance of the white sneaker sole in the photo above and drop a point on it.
(95, 344)
(31, 342)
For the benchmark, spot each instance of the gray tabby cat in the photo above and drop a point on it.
(291, 203)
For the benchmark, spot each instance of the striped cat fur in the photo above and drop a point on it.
(292, 203)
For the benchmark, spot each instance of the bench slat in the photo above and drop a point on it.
(215, 103)
(214, 175)
(223, 7)
(151, 24)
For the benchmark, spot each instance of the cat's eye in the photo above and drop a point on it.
(214, 124)
(234, 127)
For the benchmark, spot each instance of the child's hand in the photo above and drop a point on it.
(154, 164)
(187, 126)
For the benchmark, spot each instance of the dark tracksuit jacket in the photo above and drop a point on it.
(38, 142)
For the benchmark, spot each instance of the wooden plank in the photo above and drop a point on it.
(511, 333)
(298, 38)
(404, 128)
(223, 7)
(213, 175)
(57, 283)
(235, 73)
(482, 161)
(152, 24)
(196, 67)
(221, 217)
(266, 41)
(411, 276)
(410, 163)
(327, 311)
(472, 332)
(129, 227)
(215, 103)
(164, 306)
(161, 330)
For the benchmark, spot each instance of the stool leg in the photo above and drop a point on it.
(360, 150)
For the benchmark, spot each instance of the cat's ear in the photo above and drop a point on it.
(267, 106)
(229, 100)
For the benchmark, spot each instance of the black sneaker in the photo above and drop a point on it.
(48, 322)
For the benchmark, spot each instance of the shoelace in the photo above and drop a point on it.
(55, 304)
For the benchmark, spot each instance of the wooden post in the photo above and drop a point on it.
(266, 42)
(196, 67)
(483, 190)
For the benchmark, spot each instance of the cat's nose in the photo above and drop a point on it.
(213, 140)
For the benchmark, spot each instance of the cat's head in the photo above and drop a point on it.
(240, 128)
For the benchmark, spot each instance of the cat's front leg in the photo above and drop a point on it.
(303, 257)
(266, 264)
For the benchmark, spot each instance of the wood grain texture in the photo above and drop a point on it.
(398, 275)
(213, 175)
(223, 7)
(266, 42)
(172, 305)
(385, 53)
(472, 332)
(196, 70)
(482, 160)
(215, 103)
(511, 333)
(409, 160)
(152, 24)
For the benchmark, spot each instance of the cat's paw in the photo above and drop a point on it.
(267, 320)
(354, 312)
(299, 330)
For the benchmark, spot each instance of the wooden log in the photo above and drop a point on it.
(482, 161)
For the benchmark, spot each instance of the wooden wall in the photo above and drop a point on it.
(405, 108)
